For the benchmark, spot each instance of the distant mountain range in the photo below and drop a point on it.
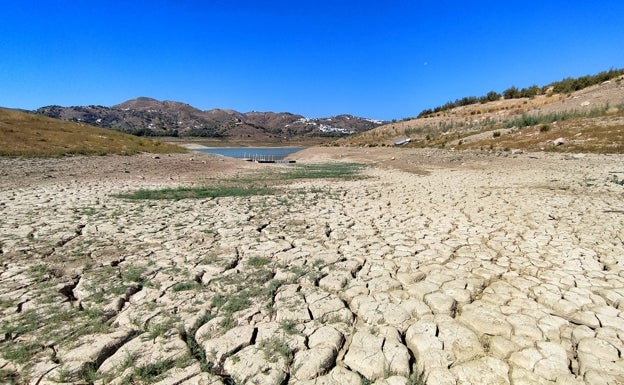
(151, 117)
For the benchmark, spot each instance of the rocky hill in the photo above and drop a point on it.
(150, 117)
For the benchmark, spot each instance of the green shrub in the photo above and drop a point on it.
(493, 96)
(511, 93)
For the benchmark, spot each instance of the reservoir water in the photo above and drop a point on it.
(268, 153)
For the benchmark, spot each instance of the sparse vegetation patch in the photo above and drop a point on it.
(262, 183)
(258, 261)
(339, 170)
(198, 192)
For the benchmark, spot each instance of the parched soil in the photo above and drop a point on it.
(116, 169)
(438, 267)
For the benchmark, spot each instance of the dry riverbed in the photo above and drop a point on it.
(439, 267)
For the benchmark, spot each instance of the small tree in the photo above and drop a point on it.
(530, 92)
(492, 96)
(511, 93)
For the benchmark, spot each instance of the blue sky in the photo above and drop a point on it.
(378, 59)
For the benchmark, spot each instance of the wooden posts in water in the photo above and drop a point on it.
(265, 159)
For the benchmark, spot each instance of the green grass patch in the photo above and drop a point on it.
(238, 301)
(89, 373)
(227, 323)
(258, 261)
(134, 274)
(274, 348)
(289, 326)
(194, 349)
(218, 300)
(188, 285)
(39, 272)
(151, 372)
(338, 170)
(259, 183)
(20, 353)
(198, 192)
(160, 329)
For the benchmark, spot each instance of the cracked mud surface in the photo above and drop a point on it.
(439, 268)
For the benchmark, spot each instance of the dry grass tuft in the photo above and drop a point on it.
(29, 135)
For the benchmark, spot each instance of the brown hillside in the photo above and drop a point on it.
(588, 120)
(26, 134)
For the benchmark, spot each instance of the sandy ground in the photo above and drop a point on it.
(441, 267)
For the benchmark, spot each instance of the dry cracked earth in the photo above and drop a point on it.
(478, 269)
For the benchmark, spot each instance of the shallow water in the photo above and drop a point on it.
(262, 153)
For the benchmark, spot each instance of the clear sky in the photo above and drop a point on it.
(378, 59)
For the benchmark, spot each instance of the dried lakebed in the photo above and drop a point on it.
(492, 271)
